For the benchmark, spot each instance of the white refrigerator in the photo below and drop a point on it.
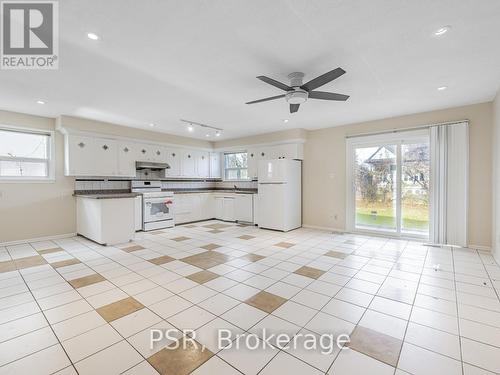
(280, 194)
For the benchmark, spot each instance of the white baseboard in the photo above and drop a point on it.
(38, 239)
(323, 228)
(480, 247)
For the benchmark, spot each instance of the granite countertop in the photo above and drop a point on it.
(190, 191)
(107, 195)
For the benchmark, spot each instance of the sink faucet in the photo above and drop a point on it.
(235, 187)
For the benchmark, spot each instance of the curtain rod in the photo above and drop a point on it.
(407, 129)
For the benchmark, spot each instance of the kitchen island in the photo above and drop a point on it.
(107, 219)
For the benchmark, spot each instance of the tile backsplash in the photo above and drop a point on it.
(90, 184)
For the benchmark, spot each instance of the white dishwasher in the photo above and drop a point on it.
(243, 207)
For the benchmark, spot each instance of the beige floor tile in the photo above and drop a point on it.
(64, 263)
(207, 259)
(180, 239)
(376, 345)
(181, 361)
(246, 237)
(310, 272)
(119, 309)
(284, 245)
(210, 246)
(253, 257)
(7, 266)
(265, 301)
(28, 262)
(86, 281)
(161, 260)
(50, 251)
(132, 248)
(336, 254)
(202, 276)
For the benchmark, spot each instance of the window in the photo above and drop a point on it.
(235, 166)
(25, 154)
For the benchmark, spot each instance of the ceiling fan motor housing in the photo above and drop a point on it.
(298, 96)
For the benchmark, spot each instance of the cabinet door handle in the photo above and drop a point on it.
(262, 154)
(125, 149)
(251, 155)
(81, 145)
(189, 156)
(105, 147)
(202, 158)
(173, 154)
(158, 153)
(143, 151)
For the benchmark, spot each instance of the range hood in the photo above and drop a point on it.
(139, 165)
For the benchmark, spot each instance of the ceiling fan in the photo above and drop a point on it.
(298, 93)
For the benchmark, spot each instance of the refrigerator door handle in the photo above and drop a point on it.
(272, 183)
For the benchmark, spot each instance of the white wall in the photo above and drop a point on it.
(33, 210)
(496, 178)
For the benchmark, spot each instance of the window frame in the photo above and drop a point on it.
(50, 178)
(225, 168)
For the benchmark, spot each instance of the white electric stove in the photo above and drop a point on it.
(157, 205)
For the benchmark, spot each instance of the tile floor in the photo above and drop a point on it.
(71, 306)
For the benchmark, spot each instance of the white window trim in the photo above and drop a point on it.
(224, 166)
(50, 178)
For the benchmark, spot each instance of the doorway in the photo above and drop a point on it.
(388, 184)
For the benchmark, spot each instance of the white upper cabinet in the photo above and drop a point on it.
(127, 152)
(79, 155)
(188, 163)
(202, 163)
(106, 157)
(174, 160)
(215, 165)
(289, 151)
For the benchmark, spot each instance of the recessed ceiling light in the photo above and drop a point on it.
(190, 128)
(442, 88)
(442, 30)
(217, 133)
(40, 102)
(207, 135)
(92, 36)
(151, 124)
(285, 120)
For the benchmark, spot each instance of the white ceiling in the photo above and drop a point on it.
(159, 61)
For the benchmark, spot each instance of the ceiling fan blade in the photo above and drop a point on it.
(294, 108)
(275, 83)
(323, 79)
(266, 99)
(327, 96)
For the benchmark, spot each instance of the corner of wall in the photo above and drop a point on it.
(496, 179)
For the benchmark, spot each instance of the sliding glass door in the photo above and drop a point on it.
(389, 184)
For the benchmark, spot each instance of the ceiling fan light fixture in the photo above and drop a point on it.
(298, 96)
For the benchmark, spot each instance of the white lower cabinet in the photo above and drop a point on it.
(202, 206)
